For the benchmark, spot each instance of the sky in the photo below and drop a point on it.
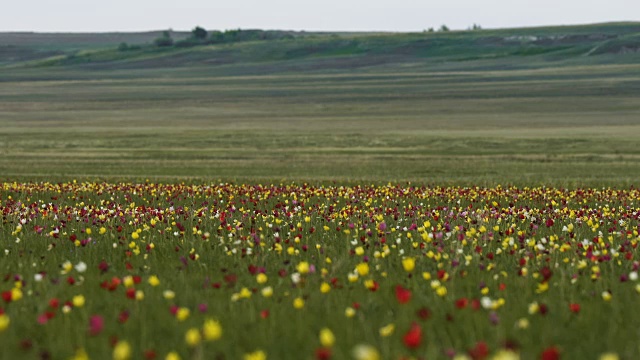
(310, 15)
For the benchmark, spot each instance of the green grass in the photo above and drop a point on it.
(207, 239)
(569, 125)
(487, 107)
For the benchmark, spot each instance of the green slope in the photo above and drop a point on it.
(327, 51)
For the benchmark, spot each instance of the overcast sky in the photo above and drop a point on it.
(328, 15)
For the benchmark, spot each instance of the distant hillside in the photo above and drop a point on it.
(16, 47)
(300, 51)
(65, 41)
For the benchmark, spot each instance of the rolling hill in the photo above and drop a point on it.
(552, 105)
(302, 51)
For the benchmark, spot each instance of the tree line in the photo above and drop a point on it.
(200, 36)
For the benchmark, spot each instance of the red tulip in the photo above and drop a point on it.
(323, 353)
(575, 308)
(413, 337)
(550, 353)
(403, 295)
(462, 303)
(480, 351)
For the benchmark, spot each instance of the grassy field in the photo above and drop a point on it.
(247, 271)
(480, 107)
(232, 199)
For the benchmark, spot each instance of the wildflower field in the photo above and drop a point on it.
(265, 229)
(249, 271)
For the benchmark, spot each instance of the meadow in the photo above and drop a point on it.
(469, 108)
(253, 271)
(469, 194)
